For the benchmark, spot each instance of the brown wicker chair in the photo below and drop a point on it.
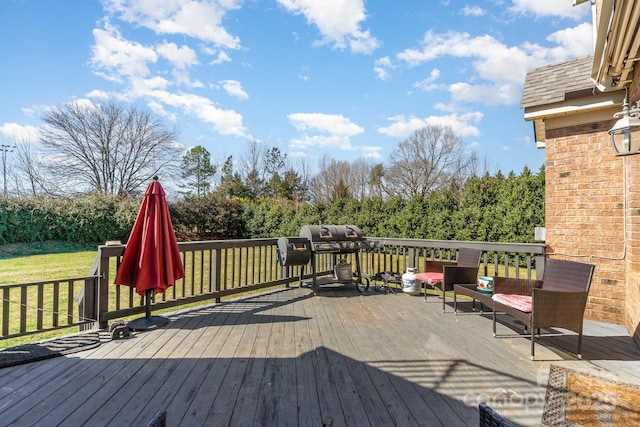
(444, 274)
(490, 418)
(558, 300)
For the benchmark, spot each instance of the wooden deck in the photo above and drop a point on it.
(290, 358)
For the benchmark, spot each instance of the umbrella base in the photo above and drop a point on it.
(147, 323)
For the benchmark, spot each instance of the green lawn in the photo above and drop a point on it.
(24, 263)
(35, 268)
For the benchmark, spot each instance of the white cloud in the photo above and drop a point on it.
(116, 58)
(571, 41)
(33, 112)
(141, 86)
(225, 122)
(331, 123)
(297, 154)
(128, 62)
(402, 127)
(159, 110)
(381, 73)
(382, 67)
(84, 103)
(201, 20)
(427, 84)
(234, 88)
(371, 152)
(19, 133)
(181, 57)
(221, 57)
(119, 60)
(549, 8)
(324, 130)
(472, 11)
(499, 69)
(98, 94)
(322, 141)
(489, 94)
(338, 21)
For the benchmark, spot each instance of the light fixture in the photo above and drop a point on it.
(621, 131)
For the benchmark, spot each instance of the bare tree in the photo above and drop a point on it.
(304, 171)
(28, 170)
(250, 168)
(359, 178)
(431, 159)
(376, 175)
(331, 181)
(106, 148)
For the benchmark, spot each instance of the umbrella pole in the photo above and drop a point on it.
(148, 321)
(148, 296)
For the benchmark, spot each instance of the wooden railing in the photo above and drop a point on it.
(519, 260)
(29, 308)
(216, 269)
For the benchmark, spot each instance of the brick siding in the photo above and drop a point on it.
(584, 213)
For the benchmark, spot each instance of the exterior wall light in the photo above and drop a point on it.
(621, 132)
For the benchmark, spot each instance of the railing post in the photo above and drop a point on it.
(103, 288)
(412, 257)
(540, 259)
(215, 272)
(87, 307)
(5, 311)
(284, 274)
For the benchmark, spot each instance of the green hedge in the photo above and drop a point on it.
(491, 208)
(88, 220)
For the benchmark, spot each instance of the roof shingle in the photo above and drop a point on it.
(551, 83)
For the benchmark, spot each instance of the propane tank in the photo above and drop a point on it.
(410, 284)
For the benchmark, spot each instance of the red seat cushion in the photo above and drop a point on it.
(519, 302)
(430, 278)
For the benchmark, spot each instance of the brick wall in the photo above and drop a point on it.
(585, 214)
(632, 309)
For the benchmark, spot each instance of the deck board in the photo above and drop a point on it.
(289, 358)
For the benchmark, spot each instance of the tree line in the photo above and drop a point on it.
(494, 208)
(105, 148)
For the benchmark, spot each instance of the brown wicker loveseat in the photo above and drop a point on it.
(558, 300)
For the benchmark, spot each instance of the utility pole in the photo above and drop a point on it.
(5, 149)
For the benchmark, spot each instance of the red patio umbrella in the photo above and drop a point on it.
(151, 262)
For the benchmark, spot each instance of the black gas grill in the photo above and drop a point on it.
(336, 240)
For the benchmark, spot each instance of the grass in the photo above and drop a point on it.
(35, 262)
(35, 268)
(18, 250)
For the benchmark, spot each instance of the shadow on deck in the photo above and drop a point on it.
(288, 358)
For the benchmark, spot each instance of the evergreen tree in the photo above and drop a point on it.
(197, 172)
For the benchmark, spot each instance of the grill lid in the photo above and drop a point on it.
(335, 233)
(334, 238)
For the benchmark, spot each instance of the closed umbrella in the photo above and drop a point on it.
(151, 262)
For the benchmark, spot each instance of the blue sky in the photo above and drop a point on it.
(343, 78)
